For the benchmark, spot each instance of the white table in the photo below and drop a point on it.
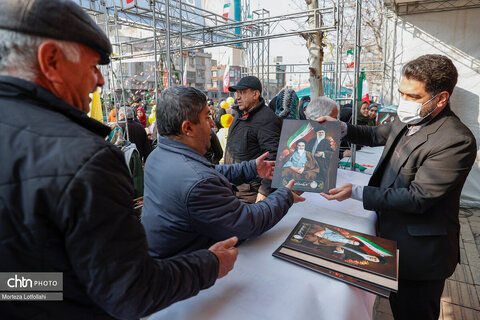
(263, 287)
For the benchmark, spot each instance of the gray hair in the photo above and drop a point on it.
(18, 53)
(319, 107)
(127, 112)
(178, 104)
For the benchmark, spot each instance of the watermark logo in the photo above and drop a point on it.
(30, 286)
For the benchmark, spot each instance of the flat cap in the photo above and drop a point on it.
(55, 19)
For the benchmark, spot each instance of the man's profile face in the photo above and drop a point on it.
(414, 90)
(247, 99)
(80, 79)
(202, 131)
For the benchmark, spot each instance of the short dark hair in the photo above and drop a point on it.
(178, 104)
(436, 71)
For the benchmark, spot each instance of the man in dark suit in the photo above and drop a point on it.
(321, 150)
(416, 186)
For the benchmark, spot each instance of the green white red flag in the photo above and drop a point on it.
(371, 247)
(305, 132)
(226, 77)
(350, 63)
(226, 8)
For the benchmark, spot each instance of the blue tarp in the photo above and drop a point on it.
(327, 90)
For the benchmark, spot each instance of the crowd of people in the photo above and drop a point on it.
(67, 193)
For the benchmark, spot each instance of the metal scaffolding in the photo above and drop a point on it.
(166, 29)
(394, 18)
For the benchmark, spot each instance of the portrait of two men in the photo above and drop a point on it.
(308, 153)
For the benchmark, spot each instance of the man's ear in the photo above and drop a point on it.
(186, 128)
(443, 99)
(50, 59)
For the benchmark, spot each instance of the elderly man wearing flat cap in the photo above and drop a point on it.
(66, 197)
(254, 131)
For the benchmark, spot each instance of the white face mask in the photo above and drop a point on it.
(409, 111)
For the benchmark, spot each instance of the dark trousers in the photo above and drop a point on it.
(247, 192)
(417, 300)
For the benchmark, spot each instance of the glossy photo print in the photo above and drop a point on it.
(308, 153)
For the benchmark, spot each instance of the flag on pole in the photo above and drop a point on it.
(96, 106)
(350, 63)
(226, 8)
(306, 132)
(363, 88)
(165, 78)
(226, 77)
(184, 80)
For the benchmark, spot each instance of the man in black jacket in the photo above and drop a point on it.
(254, 131)
(416, 186)
(66, 201)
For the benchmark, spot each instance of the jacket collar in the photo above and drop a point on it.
(43, 98)
(181, 148)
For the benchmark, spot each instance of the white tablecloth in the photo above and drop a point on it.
(263, 287)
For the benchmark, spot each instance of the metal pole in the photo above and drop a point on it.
(117, 38)
(394, 47)
(169, 66)
(184, 75)
(268, 65)
(155, 70)
(358, 8)
(385, 44)
(338, 86)
(263, 50)
(121, 74)
(111, 81)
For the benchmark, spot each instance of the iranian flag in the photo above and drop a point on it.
(371, 247)
(363, 88)
(226, 8)
(386, 118)
(165, 78)
(226, 77)
(350, 63)
(305, 132)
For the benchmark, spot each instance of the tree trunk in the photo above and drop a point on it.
(315, 49)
